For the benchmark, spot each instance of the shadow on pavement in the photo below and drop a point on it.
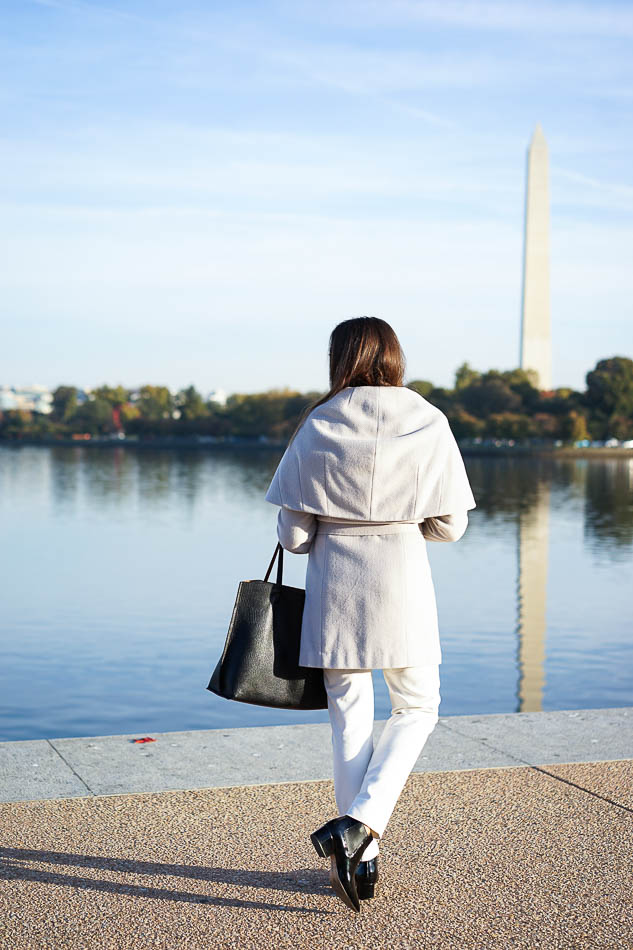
(302, 880)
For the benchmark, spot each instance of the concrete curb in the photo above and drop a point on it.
(213, 758)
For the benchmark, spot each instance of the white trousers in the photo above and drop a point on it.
(367, 780)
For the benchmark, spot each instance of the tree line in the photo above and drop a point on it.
(492, 404)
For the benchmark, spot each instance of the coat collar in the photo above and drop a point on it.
(373, 453)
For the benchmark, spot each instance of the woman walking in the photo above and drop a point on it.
(370, 474)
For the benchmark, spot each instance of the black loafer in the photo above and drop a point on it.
(367, 878)
(343, 840)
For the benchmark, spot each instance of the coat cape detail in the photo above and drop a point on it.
(373, 453)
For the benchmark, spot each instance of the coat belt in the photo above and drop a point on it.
(390, 527)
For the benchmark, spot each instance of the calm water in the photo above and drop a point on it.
(120, 569)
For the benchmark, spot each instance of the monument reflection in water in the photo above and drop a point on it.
(602, 522)
(533, 544)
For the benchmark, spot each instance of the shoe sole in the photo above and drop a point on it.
(324, 847)
(340, 891)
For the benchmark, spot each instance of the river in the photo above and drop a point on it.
(121, 565)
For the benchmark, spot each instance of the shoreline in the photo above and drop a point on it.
(487, 451)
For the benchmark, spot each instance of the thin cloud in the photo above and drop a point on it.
(91, 9)
(418, 113)
(612, 187)
(565, 18)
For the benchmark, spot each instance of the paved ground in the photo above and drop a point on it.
(490, 858)
(511, 855)
(109, 765)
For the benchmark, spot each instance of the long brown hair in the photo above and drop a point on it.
(363, 351)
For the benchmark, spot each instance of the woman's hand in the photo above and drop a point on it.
(444, 527)
(296, 529)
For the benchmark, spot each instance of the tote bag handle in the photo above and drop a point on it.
(280, 564)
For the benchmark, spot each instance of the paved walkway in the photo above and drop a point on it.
(476, 856)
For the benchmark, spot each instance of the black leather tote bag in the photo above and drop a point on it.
(260, 662)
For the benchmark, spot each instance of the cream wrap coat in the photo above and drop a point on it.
(372, 474)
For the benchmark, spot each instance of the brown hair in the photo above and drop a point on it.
(363, 351)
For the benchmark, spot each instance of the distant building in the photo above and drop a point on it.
(218, 395)
(8, 398)
(33, 398)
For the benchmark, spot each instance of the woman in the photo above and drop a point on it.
(370, 474)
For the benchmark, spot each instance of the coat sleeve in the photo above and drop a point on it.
(445, 527)
(296, 529)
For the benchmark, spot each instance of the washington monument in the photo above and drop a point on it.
(536, 345)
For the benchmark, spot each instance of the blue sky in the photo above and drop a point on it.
(198, 192)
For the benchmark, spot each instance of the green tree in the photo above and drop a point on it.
(273, 413)
(465, 375)
(522, 382)
(509, 425)
(190, 404)
(16, 423)
(93, 416)
(114, 395)
(561, 402)
(464, 425)
(155, 403)
(544, 425)
(442, 398)
(621, 427)
(610, 386)
(64, 402)
(489, 394)
(421, 386)
(129, 412)
(574, 426)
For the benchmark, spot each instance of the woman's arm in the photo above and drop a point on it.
(296, 529)
(445, 527)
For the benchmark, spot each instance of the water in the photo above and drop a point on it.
(120, 569)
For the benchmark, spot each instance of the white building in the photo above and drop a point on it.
(218, 395)
(33, 398)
